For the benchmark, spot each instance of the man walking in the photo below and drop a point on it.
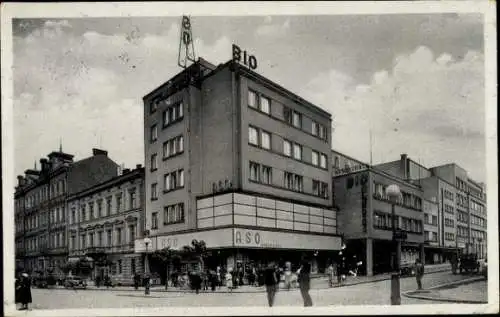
(305, 283)
(271, 281)
(419, 273)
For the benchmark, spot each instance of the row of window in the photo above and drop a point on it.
(171, 148)
(96, 239)
(448, 236)
(36, 243)
(260, 173)
(383, 221)
(478, 221)
(430, 220)
(448, 195)
(170, 115)
(477, 207)
(262, 103)
(95, 208)
(171, 214)
(461, 184)
(171, 181)
(449, 209)
(406, 199)
(462, 216)
(261, 138)
(431, 236)
(449, 222)
(476, 234)
(43, 193)
(57, 240)
(462, 231)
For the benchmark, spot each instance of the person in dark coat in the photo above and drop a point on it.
(305, 283)
(419, 273)
(24, 291)
(271, 282)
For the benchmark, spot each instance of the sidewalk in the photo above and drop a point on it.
(317, 282)
(473, 290)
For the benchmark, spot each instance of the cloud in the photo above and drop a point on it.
(273, 30)
(88, 88)
(428, 107)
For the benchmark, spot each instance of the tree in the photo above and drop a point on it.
(197, 249)
(164, 257)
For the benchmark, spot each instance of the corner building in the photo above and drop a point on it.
(239, 162)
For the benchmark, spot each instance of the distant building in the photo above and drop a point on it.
(364, 216)
(461, 204)
(239, 162)
(103, 223)
(41, 206)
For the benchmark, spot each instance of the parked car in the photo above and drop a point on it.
(406, 269)
(75, 282)
(469, 263)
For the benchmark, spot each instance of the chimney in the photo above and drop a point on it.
(20, 180)
(96, 152)
(404, 165)
(43, 164)
(138, 166)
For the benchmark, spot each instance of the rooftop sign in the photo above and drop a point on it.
(246, 59)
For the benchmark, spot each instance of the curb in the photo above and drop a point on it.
(444, 299)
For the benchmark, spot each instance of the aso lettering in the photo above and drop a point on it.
(248, 60)
(247, 238)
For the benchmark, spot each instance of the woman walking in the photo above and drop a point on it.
(271, 282)
(23, 291)
(305, 283)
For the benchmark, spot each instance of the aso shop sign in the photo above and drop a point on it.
(255, 239)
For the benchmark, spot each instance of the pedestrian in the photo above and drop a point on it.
(331, 272)
(229, 280)
(419, 273)
(305, 282)
(137, 279)
(23, 293)
(288, 275)
(271, 282)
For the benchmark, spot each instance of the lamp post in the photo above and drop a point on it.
(147, 241)
(394, 193)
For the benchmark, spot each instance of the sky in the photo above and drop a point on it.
(416, 81)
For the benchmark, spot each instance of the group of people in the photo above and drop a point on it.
(272, 276)
(23, 291)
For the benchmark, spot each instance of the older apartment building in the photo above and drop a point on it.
(103, 223)
(239, 162)
(41, 206)
(365, 214)
(461, 207)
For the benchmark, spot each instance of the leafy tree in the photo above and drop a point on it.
(163, 258)
(198, 250)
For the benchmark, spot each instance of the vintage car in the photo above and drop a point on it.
(75, 282)
(469, 263)
(407, 269)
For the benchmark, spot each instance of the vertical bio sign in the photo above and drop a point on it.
(186, 46)
(242, 57)
(364, 200)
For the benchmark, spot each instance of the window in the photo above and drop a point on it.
(131, 233)
(108, 206)
(254, 172)
(109, 238)
(252, 99)
(154, 133)
(265, 140)
(118, 203)
(99, 239)
(132, 198)
(73, 215)
(297, 119)
(173, 114)
(120, 267)
(266, 175)
(91, 239)
(180, 144)
(84, 214)
(323, 161)
(73, 243)
(298, 183)
(287, 148)
(265, 105)
(154, 162)
(288, 180)
(181, 178)
(314, 128)
(166, 182)
(83, 241)
(99, 208)
(154, 220)
(297, 151)
(154, 191)
(91, 210)
(315, 158)
(173, 214)
(118, 236)
(133, 267)
(253, 136)
(153, 105)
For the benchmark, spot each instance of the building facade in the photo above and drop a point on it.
(41, 207)
(104, 221)
(230, 154)
(365, 216)
(461, 206)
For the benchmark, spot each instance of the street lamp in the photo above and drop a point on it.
(394, 193)
(147, 241)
